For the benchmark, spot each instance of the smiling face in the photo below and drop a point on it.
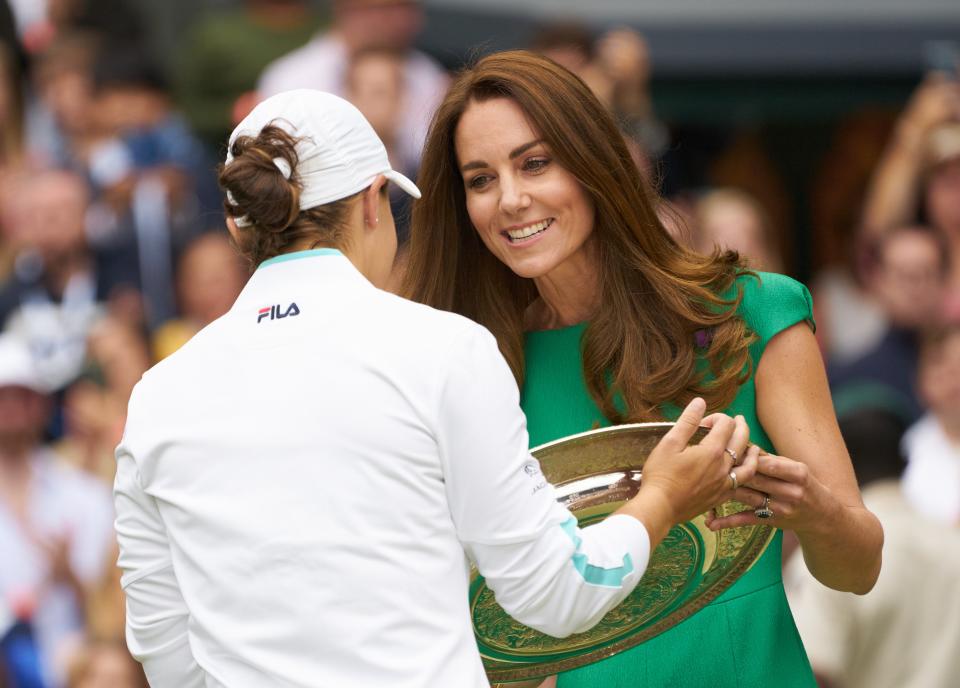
(531, 213)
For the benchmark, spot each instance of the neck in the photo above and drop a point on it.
(569, 294)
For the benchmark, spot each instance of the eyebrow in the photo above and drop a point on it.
(519, 150)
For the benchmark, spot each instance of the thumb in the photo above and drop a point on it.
(687, 424)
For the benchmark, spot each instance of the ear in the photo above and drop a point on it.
(371, 202)
(233, 229)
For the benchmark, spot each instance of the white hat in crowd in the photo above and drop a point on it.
(18, 367)
(339, 152)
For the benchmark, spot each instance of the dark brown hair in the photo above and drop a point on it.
(261, 195)
(655, 294)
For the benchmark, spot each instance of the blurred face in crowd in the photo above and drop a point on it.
(530, 212)
(47, 213)
(910, 278)
(943, 198)
(375, 87)
(68, 92)
(729, 220)
(210, 278)
(23, 414)
(392, 24)
(940, 378)
(127, 108)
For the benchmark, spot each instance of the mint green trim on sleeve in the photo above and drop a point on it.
(595, 575)
(297, 255)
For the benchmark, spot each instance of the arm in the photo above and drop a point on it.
(814, 492)
(157, 617)
(544, 570)
(893, 195)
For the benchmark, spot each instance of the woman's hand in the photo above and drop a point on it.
(681, 481)
(797, 499)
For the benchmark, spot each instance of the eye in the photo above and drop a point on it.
(535, 164)
(478, 182)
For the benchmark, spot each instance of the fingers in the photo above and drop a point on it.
(687, 424)
(737, 520)
(749, 496)
(784, 469)
(747, 470)
(709, 421)
(739, 439)
(719, 437)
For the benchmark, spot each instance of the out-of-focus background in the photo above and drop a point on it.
(819, 138)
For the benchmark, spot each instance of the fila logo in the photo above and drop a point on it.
(275, 312)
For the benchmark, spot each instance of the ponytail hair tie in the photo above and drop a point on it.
(283, 166)
(238, 220)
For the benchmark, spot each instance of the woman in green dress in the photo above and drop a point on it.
(537, 223)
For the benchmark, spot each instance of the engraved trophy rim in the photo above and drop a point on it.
(602, 454)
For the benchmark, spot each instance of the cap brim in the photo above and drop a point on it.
(404, 183)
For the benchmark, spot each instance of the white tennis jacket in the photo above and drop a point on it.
(301, 489)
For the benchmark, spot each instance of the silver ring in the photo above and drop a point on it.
(733, 455)
(764, 511)
(733, 479)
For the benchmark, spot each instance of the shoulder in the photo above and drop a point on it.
(772, 302)
(420, 322)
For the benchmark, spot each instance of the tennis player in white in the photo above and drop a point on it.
(302, 487)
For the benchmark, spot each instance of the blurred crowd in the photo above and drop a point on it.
(113, 253)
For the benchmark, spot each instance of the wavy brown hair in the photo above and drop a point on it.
(655, 294)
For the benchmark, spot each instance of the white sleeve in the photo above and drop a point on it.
(157, 617)
(543, 569)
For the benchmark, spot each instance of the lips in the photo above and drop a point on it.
(527, 231)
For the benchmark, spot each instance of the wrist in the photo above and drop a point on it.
(654, 509)
(909, 136)
(830, 514)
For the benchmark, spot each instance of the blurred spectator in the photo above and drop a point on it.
(225, 53)
(904, 633)
(616, 66)
(56, 524)
(375, 84)
(50, 297)
(918, 177)
(358, 25)
(209, 279)
(154, 182)
(105, 664)
(932, 479)
(95, 405)
(733, 219)
(60, 127)
(908, 283)
(132, 109)
(42, 21)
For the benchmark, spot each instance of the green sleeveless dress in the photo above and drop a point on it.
(746, 638)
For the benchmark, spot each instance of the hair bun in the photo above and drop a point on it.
(260, 182)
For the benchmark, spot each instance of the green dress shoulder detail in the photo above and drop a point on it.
(746, 638)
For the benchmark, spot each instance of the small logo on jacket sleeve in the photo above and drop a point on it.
(277, 312)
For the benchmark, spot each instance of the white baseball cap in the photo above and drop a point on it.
(18, 367)
(339, 154)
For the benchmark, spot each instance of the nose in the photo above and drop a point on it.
(513, 196)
